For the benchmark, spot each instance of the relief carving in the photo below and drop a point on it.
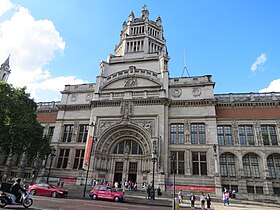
(74, 97)
(196, 92)
(235, 135)
(130, 82)
(176, 92)
(89, 97)
(105, 125)
(146, 124)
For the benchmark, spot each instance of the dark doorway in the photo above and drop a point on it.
(132, 172)
(118, 173)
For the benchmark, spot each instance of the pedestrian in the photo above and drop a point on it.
(180, 196)
(208, 199)
(224, 199)
(202, 201)
(227, 195)
(192, 199)
(116, 185)
(149, 188)
(233, 194)
(159, 193)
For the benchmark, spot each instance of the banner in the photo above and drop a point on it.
(193, 188)
(88, 149)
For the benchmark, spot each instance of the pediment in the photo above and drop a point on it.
(131, 82)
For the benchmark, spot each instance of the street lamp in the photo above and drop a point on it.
(154, 159)
(172, 158)
(91, 148)
(53, 151)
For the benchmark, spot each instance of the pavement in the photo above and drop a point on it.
(166, 199)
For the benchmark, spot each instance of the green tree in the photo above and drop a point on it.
(19, 129)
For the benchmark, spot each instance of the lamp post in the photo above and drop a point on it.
(88, 166)
(52, 157)
(154, 159)
(172, 158)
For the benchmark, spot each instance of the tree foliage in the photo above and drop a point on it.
(19, 129)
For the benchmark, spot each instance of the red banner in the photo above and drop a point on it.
(67, 180)
(194, 188)
(88, 150)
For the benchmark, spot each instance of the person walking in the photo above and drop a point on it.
(149, 189)
(192, 199)
(208, 199)
(180, 196)
(202, 201)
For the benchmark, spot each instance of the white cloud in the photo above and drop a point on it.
(274, 86)
(259, 62)
(5, 5)
(33, 44)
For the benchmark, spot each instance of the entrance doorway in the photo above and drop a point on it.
(132, 172)
(118, 173)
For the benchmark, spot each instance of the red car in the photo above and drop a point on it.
(106, 193)
(47, 190)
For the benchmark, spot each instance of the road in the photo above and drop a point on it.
(48, 203)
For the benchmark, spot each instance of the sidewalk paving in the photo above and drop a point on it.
(166, 199)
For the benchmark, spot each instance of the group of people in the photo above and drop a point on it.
(151, 192)
(204, 200)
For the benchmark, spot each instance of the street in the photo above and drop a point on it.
(49, 203)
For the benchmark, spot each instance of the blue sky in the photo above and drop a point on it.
(58, 42)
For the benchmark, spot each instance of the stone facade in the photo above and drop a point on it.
(111, 128)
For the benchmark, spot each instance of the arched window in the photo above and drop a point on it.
(251, 165)
(227, 165)
(273, 163)
(128, 146)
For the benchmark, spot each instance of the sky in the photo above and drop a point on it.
(53, 43)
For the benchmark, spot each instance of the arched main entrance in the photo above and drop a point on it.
(127, 170)
(123, 154)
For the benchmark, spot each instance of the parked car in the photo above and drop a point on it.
(47, 190)
(106, 193)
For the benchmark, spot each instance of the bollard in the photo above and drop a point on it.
(175, 204)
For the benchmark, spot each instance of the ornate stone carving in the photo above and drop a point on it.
(258, 132)
(235, 135)
(89, 97)
(146, 124)
(126, 110)
(103, 125)
(176, 92)
(130, 82)
(74, 97)
(197, 92)
(187, 130)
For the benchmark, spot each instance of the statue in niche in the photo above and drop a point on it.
(126, 149)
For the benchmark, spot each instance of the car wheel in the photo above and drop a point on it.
(116, 199)
(54, 194)
(33, 192)
(94, 197)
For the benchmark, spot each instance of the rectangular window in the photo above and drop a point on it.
(246, 135)
(50, 132)
(250, 189)
(179, 163)
(269, 135)
(83, 132)
(177, 134)
(199, 163)
(224, 135)
(259, 190)
(63, 158)
(68, 132)
(276, 191)
(198, 135)
(119, 167)
(79, 159)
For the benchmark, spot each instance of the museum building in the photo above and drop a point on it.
(138, 124)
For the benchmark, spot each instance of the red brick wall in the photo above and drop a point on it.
(46, 117)
(248, 113)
